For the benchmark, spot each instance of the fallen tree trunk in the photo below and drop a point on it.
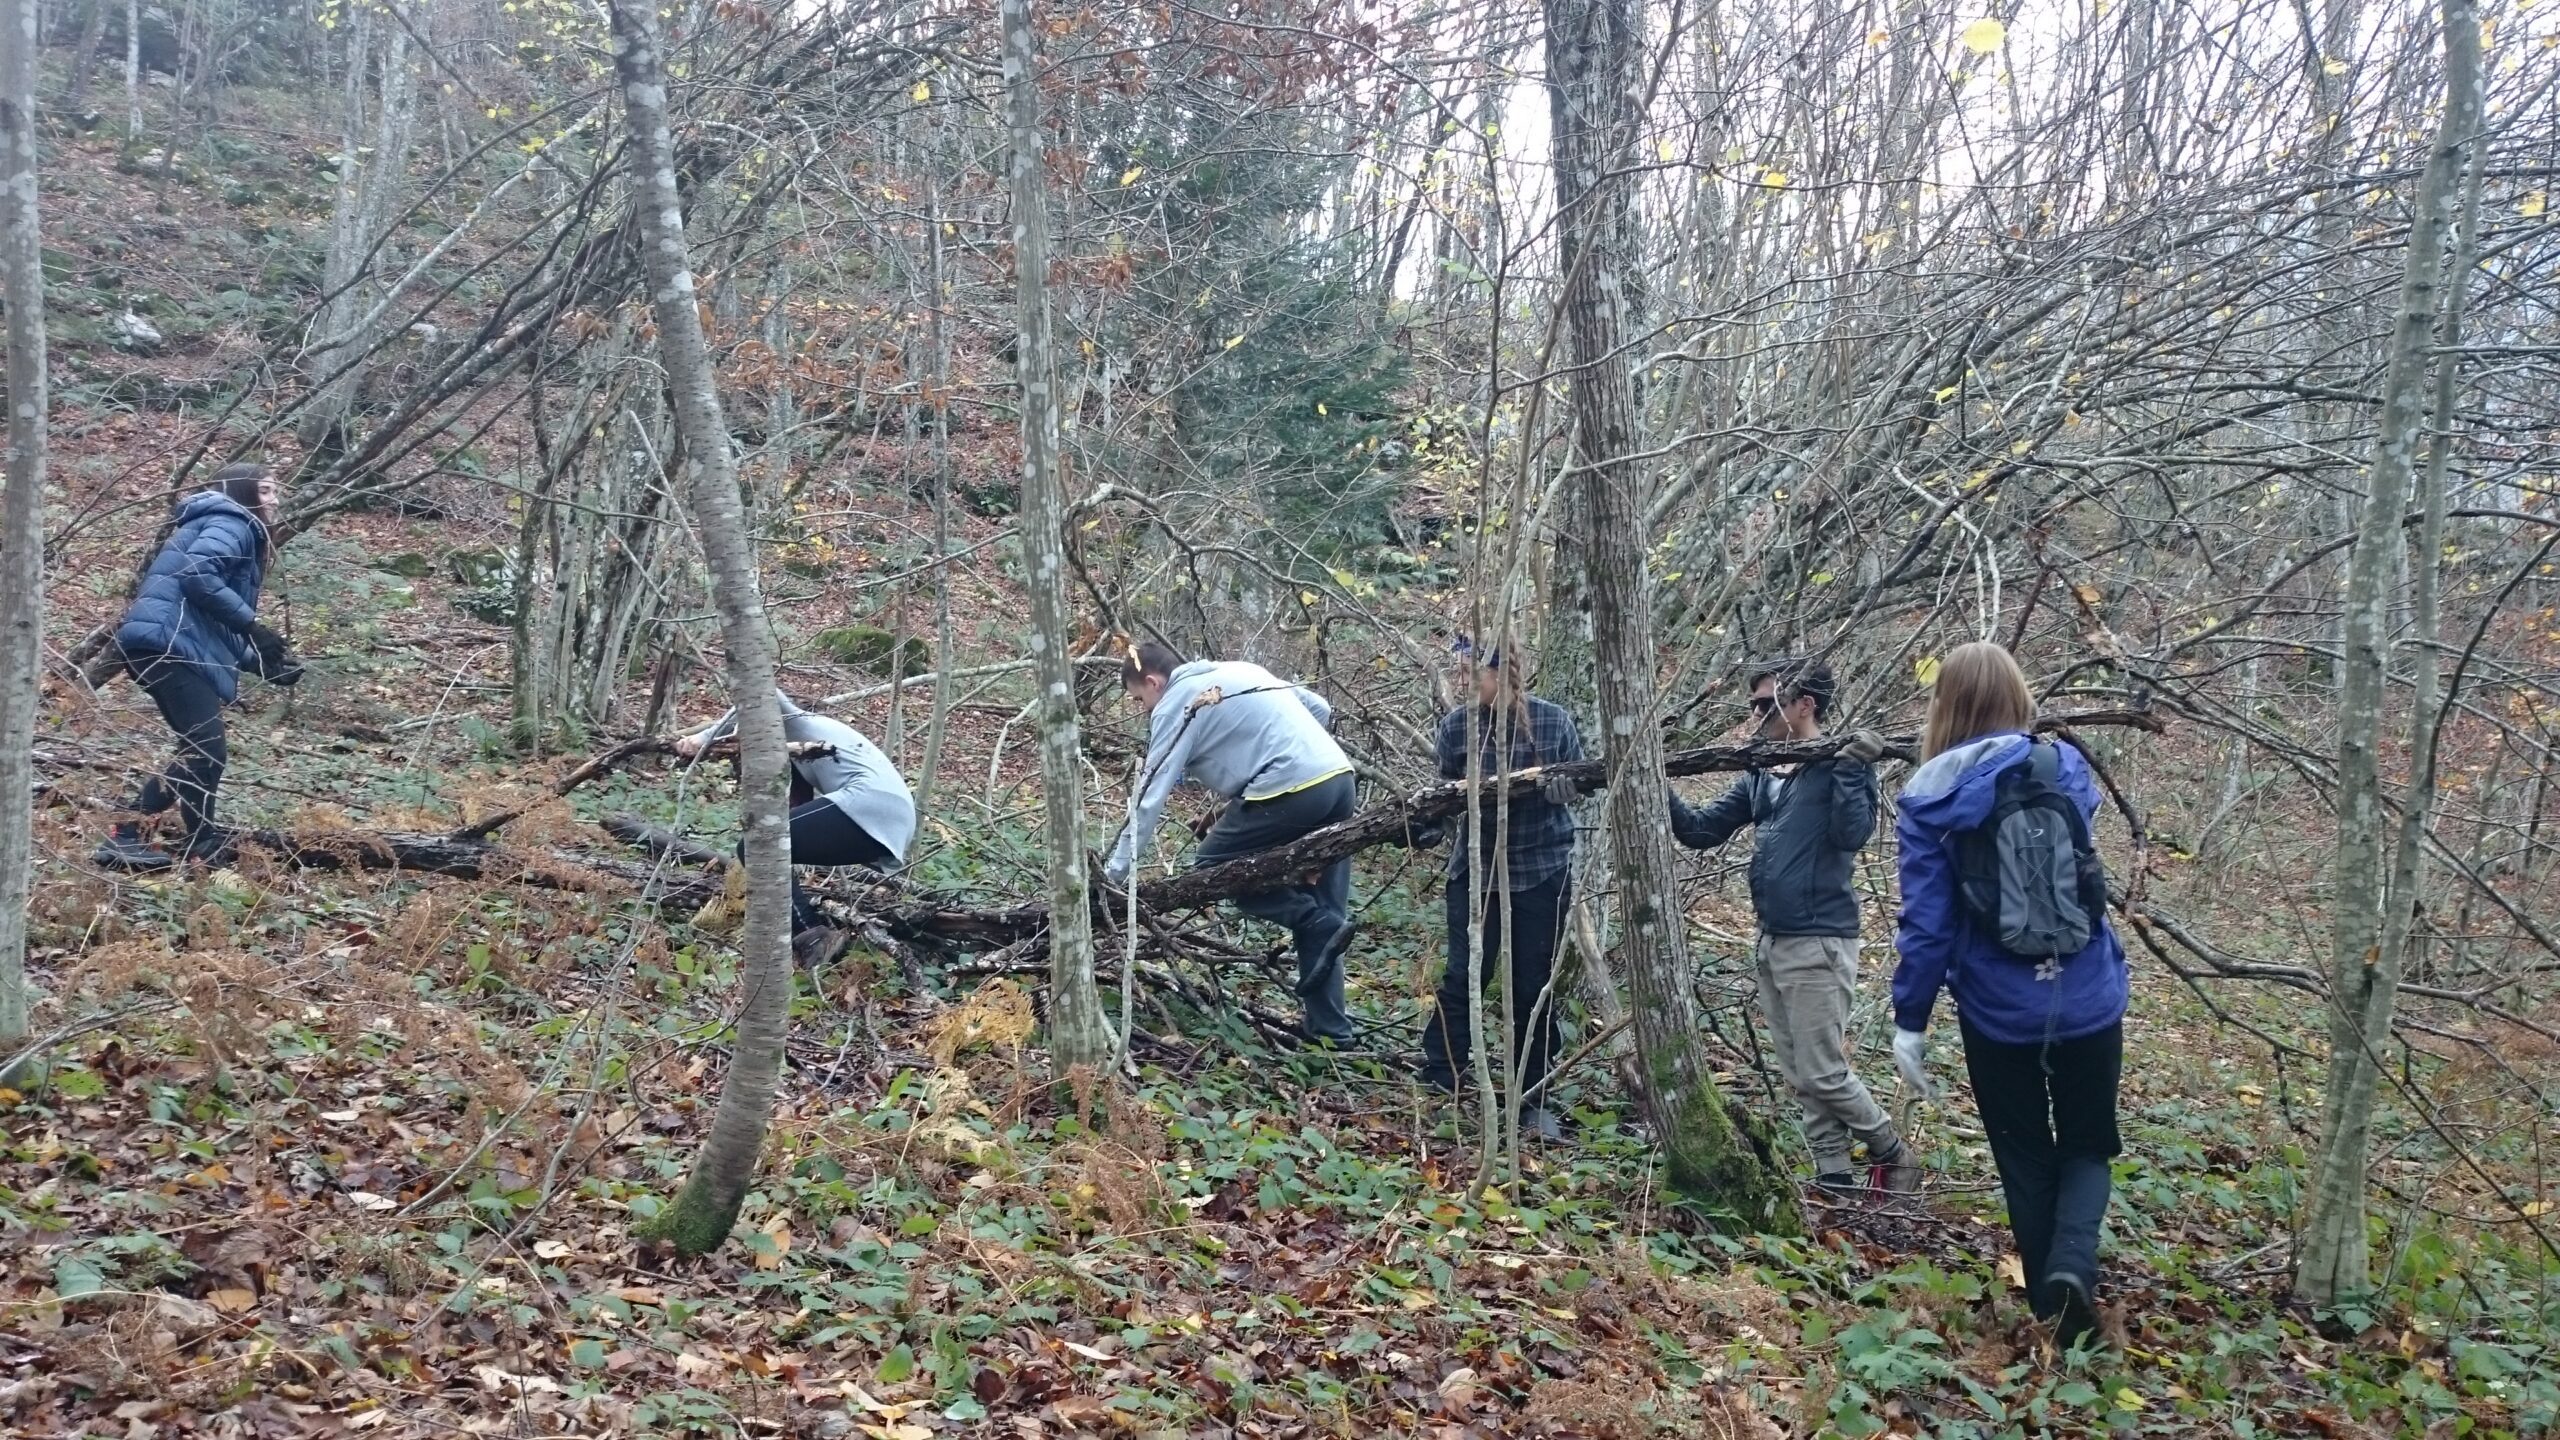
(605, 762)
(1395, 822)
(950, 923)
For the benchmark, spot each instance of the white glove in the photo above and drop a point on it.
(1911, 1061)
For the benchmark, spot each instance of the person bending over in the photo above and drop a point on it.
(1811, 820)
(192, 628)
(849, 806)
(1261, 744)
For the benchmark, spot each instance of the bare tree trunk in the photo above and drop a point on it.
(703, 1213)
(1591, 91)
(938, 379)
(132, 70)
(1079, 1035)
(85, 58)
(367, 185)
(22, 507)
(2369, 948)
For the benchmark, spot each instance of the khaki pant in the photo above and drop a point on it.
(1806, 982)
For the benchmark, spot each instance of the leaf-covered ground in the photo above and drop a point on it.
(332, 1153)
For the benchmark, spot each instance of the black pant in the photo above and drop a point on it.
(1535, 917)
(1319, 915)
(2050, 1113)
(824, 836)
(193, 709)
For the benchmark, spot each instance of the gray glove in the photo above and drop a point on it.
(1558, 789)
(1865, 747)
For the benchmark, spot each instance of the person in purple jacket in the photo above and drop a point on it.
(2043, 1038)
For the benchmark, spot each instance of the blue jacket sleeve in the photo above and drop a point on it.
(1929, 929)
(210, 551)
(1704, 827)
(1853, 805)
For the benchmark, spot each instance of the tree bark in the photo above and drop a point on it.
(1591, 91)
(701, 1217)
(367, 183)
(22, 505)
(84, 58)
(132, 71)
(1079, 1035)
(2367, 950)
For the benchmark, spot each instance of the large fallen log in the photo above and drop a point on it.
(1395, 821)
(605, 762)
(683, 884)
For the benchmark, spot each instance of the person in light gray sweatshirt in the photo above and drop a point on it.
(1262, 745)
(849, 805)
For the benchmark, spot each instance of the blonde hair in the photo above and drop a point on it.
(1980, 691)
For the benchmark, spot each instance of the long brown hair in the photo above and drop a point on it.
(1980, 691)
(1514, 693)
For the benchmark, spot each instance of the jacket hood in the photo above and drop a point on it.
(1956, 789)
(213, 502)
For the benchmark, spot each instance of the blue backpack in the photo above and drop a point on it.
(2029, 874)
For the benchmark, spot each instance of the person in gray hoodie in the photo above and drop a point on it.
(849, 806)
(1811, 822)
(1263, 745)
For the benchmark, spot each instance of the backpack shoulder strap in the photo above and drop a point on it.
(2045, 760)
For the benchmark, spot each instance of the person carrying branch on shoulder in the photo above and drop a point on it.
(1811, 820)
(1527, 889)
(1263, 746)
(849, 806)
(2004, 903)
(192, 628)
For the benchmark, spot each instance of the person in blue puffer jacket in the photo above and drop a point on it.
(2043, 1040)
(192, 628)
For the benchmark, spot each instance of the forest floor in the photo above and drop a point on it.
(328, 1152)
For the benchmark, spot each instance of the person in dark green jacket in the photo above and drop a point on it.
(1810, 822)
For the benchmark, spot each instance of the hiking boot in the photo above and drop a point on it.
(125, 849)
(818, 946)
(1895, 1172)
(1840, 1187)
(2075, 1315)
(211, 845)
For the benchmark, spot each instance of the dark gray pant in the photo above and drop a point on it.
(1318, 916)
(192, 708)
(2049, 1111)
(824, 837)
(1534, 916)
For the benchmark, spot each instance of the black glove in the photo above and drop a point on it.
(276, 664)
(1423, 834)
